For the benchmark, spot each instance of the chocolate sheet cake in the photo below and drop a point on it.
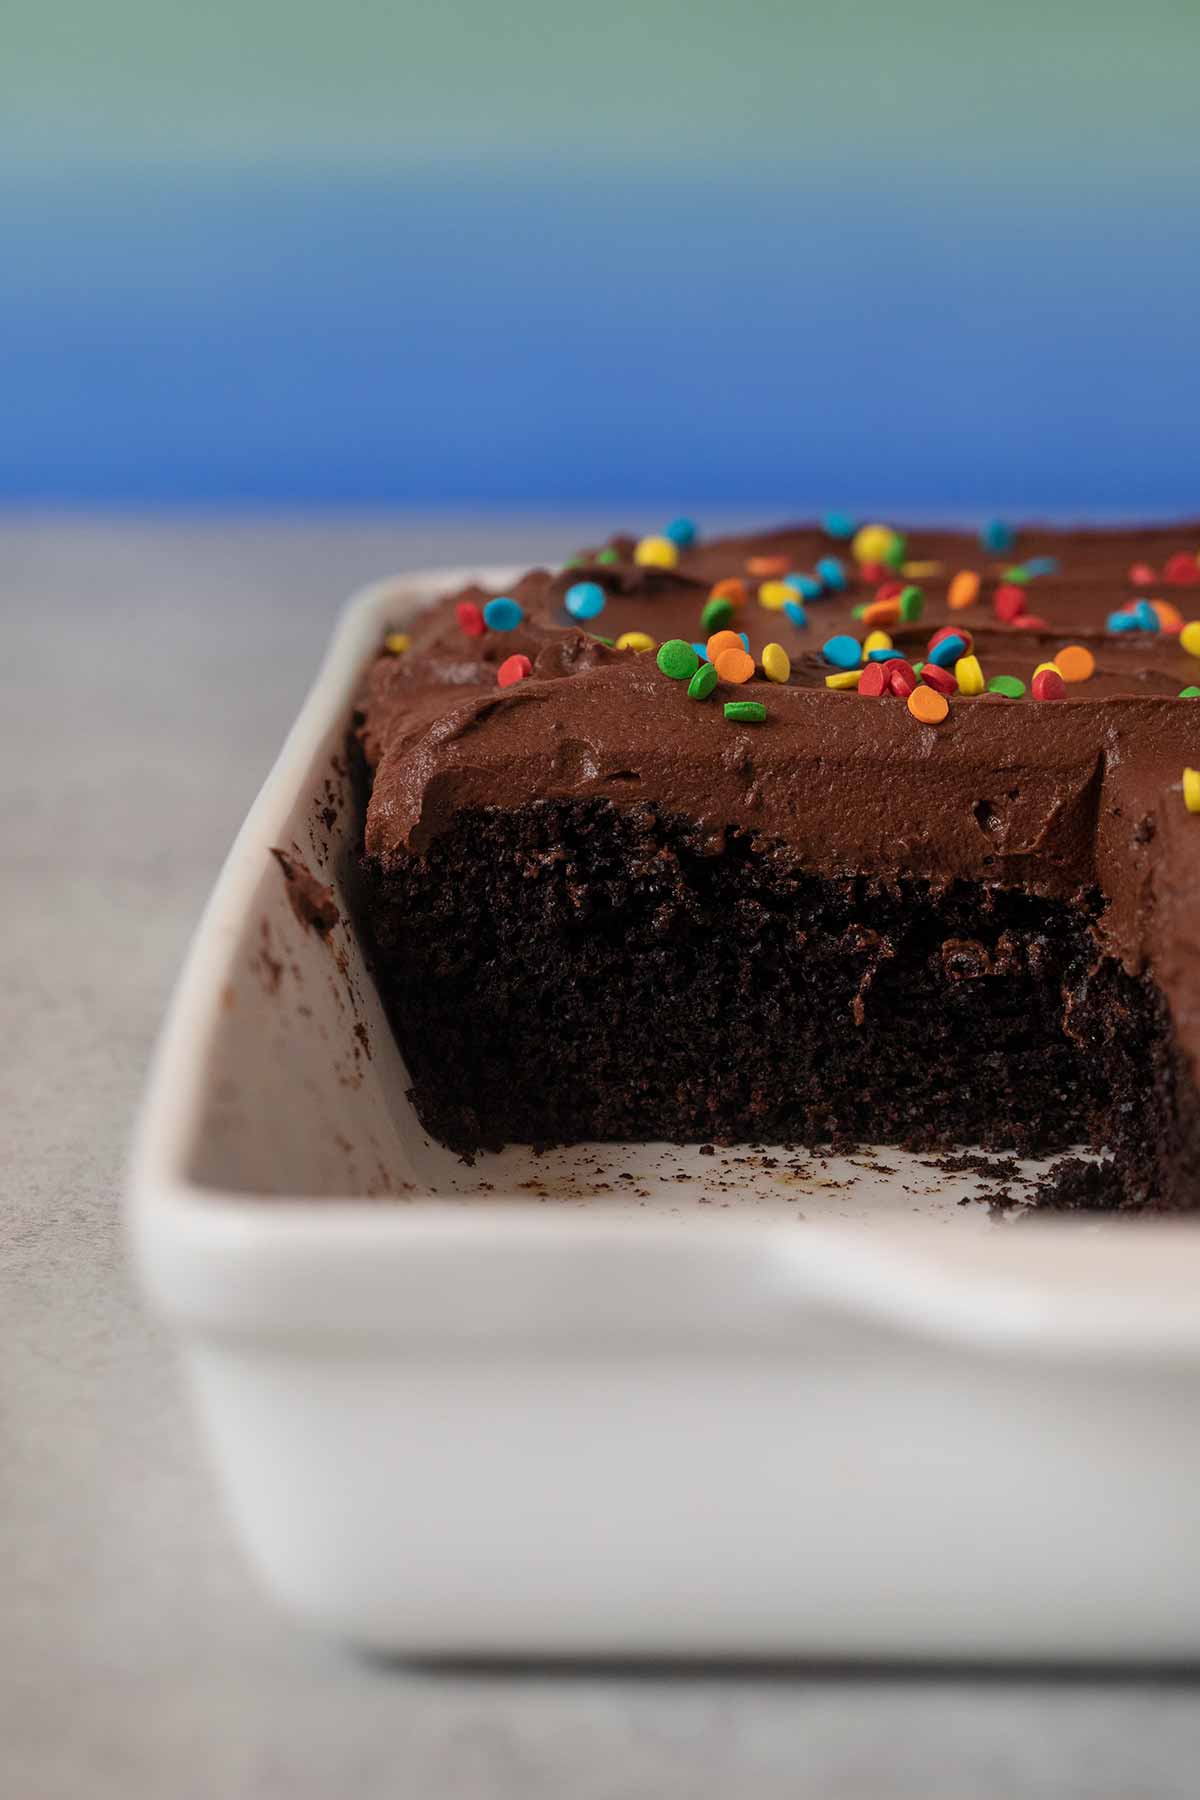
(825, 835)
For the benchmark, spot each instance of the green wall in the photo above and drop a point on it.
(966, 85)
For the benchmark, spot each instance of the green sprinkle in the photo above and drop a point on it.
(597, 639)
(677, 659)
(716, 614)
(860, 609)
(608, 556)
(1019, 574)
(745, 712)
(573, 562)
(896, 551)
(704, 681)
(912, 605)
(917, 667)
(1011, 686)
(1192, 693)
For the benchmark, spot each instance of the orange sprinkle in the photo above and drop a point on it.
(963, 590)
(733, 589)
(735, 665)
(926, 704)
(767, 565)
(881, 612)
(722, 640)
(1168, 616)
(1075, 663)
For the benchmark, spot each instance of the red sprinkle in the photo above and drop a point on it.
(1141, 575)
(1009, 601)
(873, 572)
(941, 679)
(873, 679)
(901, 679)
(513, 669)
(1049, 685)
(470, 619)
(1030, 622)
(889, 590)
(1181, 570)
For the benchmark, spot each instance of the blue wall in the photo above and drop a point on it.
(525, 332)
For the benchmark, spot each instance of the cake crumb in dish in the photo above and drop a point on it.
(311, 900)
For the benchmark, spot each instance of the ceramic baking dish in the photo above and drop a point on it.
(631, 1401)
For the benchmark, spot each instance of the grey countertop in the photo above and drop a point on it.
(149, 673)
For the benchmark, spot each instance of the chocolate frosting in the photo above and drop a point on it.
(1056, 797)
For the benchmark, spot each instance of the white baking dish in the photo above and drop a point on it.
(527, 1408)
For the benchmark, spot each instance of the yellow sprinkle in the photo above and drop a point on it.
(1189, 637)
(777, 664)
(872, 543)
(877, 640)
(657, 553)
(847, 678)
(774, 595)
(969, 675)
(920, 571)
(636, 640)
(397, 642)
(1051, 666)
(1191, 789)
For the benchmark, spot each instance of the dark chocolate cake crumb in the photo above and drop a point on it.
(1073, 1185)
(973, 1162)
(311, 901)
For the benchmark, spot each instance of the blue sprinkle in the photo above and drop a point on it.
(701, 652)
(502, 614)
(807, 586)
(585, 600)
(1042, 565)
(745, 642)
(832, 573)
(682, 531)
(885, 656)
(996, 535)
(843, 652)
(1146, 616)
(796, 614)
(947, 651)
(839, 525)
(1122, 621)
